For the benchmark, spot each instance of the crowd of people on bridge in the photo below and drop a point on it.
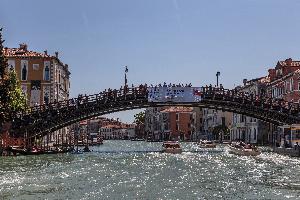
(207, 92)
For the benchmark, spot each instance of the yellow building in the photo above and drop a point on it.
(44, 78)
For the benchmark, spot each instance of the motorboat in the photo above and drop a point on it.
(207, 144)
(243, 149)
(172, 147)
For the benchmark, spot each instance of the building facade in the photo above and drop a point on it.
(212, 120)
(246, 128)
(285, 81)
(44, 78)
(172, 123)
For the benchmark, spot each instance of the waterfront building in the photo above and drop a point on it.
(249, 129)
(172, 123)
(152, 123)
(118, 132)
(44, 78)
(285, 81)
(284, 84)
(215, 124)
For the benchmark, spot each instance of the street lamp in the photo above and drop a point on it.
(126, 71)
(218, 74)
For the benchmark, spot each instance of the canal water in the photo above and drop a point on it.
(129, 170)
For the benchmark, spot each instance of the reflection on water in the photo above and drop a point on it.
(137, 175)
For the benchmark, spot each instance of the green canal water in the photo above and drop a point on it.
(128, 170)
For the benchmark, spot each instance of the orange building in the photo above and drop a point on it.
(44, 78)
(181, 121)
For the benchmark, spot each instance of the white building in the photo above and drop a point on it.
(246, 128)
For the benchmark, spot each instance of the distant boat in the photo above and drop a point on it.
(137, 139)
(207, 144)
(243, 150)
(172, 147)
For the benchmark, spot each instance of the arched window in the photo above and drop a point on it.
(47, 73)
(250, 134)
(59, 78)
(24, 73)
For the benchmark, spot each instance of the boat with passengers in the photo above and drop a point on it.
(240, 148)
(207, 144)
(171, 147)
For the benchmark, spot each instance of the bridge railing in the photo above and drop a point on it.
(208, 92)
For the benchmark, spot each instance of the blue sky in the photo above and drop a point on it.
(159, 40)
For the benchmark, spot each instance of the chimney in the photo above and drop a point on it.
(56, 54)
(23, 46)
(46, 52)
(245, 81)
(272, 74)
(289, 61)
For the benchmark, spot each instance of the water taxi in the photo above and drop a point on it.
(243, 149)
(172, 147)
(207, 144)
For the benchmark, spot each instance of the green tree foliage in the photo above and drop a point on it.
(139, 118)
(16, 97)
(3, 63)
(12, 99)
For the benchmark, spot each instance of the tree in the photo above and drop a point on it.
(139, 118)
(12, 99)
(3, 78)
(16, 98)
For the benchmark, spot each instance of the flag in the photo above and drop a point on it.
(197, 93)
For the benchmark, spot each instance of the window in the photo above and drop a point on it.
(47, 73)
(11, 64)
(35, 67)
(249, 134)
(254, 135)
(177, 116)
(242, 118)
(292, 84)
(24, 73)
(59, 77)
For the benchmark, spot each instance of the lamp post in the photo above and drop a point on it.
(126, 71)
(218, 74)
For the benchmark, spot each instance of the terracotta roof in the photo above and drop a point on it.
(20, 52)
(178, 109)
(111, 126)
(293, 63)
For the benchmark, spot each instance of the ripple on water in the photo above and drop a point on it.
(202, 175)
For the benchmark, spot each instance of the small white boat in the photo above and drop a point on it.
(207, 144)
(246, 150)
(172, 147)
